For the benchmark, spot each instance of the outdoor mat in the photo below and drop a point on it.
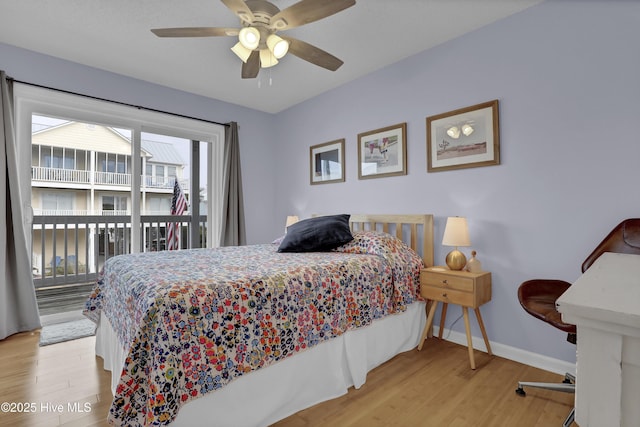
(67, 331)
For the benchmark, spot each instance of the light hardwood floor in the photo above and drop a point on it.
(433, 387)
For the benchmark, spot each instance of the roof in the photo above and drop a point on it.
(162, 152)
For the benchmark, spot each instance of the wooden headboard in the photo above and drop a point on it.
(415, 230)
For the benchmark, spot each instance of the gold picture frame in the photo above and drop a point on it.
(464, 138)
(327, 162)
(383, 152)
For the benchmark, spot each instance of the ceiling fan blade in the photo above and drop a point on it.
(252, 66)
(195, 32)
(313, 54)
(240, 8)
(306, 11)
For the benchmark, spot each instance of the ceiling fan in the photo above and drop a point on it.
(259, 45)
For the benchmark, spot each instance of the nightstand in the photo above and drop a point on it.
(469, 290)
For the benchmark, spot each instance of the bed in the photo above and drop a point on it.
(272, 334)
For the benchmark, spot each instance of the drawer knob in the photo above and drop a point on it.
(445, 281)
(444, 295)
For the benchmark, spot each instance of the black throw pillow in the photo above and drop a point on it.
(317, 234)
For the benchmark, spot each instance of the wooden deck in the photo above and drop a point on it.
(62, 299)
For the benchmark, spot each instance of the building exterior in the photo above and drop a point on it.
(80, 171)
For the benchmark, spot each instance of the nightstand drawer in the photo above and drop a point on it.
(448, 281)
(450, 296)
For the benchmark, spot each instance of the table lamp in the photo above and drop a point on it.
(456, 233)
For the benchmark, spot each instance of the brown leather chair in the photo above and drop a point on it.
(538, 297)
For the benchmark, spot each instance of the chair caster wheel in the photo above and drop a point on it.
(520, 391)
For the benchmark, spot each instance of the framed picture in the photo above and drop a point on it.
(383, 152)
(464, 138)
(327, 162)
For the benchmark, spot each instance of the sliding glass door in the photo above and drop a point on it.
(100, 180)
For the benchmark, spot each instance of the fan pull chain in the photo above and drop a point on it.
(260, 81)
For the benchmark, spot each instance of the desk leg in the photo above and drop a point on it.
(467, 326)
(427, 327)
(483, 330)
(443, 317)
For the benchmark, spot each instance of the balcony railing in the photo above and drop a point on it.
(71, 249)
(76, 212)
(158, 182)
(72, 176)
(112, 178)
(60, 175)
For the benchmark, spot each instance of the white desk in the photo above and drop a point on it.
(604, 304)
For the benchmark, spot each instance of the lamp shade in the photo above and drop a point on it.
(242, 52)
(456, 232)
(467, 129)
(277, 45)
(249, 37)
(267, 59)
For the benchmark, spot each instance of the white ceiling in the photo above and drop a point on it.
(114, 35)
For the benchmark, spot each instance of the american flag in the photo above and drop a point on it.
(178, 206)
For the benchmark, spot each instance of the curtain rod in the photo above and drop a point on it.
(117, 102)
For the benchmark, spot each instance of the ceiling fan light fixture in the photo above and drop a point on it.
(257, 44)
(467, 129)
(277, 45)
(454, 132)
(242, 52)
(249, 37)
(267, 59)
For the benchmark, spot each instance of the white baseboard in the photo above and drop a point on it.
(512, 353)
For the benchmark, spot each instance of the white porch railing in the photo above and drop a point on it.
(72, 176)
(78, 212)
(60, 175)
(157, 182)
(112, 178)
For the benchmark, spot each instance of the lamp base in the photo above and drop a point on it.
(456, 260)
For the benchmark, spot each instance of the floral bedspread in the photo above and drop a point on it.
(194, 320)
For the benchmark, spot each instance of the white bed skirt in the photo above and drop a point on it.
(323, 372)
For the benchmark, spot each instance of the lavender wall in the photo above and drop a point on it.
(255, 128)
(566, 75)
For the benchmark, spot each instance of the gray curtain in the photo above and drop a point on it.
(18, 306)
(233, 230)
